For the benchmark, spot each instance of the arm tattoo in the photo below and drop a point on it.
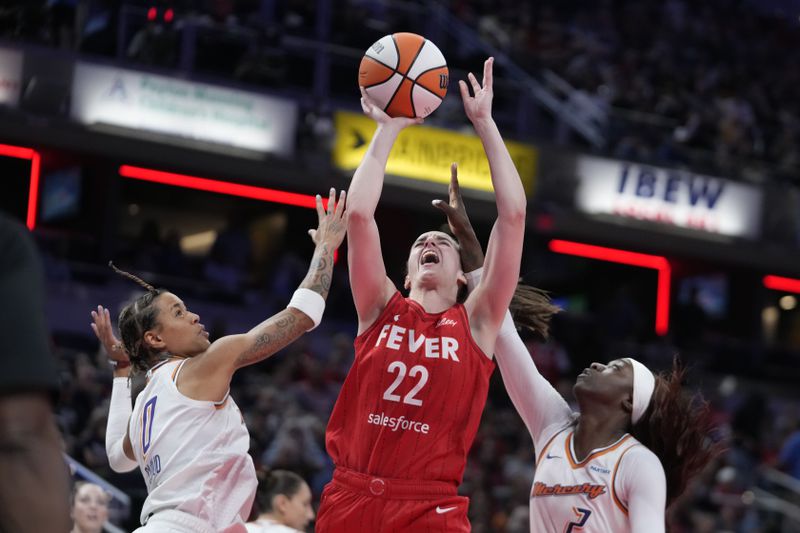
(286, 326)
(318, 278)
(275, 334)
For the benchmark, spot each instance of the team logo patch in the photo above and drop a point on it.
(592, 491)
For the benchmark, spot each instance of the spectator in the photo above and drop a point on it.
(283, 501)
(89, 508)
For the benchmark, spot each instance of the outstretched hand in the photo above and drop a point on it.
(377, 114)
(460, 225)
(332, 222)
(479, 106)
(102, 328)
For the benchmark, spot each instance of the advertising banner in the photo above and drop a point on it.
(197, 111)
(666, 196)
(425, 153)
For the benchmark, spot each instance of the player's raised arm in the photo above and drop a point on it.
(208, 375)
(118, 442)
(370, 285)
(537, 402)
(489, 302)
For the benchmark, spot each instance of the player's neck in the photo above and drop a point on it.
(433, 300)
(596, 430)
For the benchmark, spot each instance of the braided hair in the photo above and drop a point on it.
(136, 318)
(532, 309)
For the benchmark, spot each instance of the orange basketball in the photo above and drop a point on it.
(405, 74)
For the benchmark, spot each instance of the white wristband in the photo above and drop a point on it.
(473, 278)
(310, 303)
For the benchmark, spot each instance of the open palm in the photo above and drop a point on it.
(101, 325)
(479, 106)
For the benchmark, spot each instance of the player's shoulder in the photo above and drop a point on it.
(161, 376)
(640, 459)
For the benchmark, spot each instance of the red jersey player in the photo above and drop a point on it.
(410, 406)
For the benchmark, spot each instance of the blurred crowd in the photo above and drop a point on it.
(676, 78)
(709, 86)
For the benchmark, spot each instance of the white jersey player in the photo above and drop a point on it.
(618, 487)
(184, 433)
(592, 475)
(601, 470)
(192, 453)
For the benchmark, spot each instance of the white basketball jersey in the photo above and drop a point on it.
(570, 496)
(192, 453)
(265, 525)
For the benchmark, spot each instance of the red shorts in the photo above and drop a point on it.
(355, 503)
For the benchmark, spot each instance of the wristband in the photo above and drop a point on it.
(473, 278)
(311, 303)
(117, 365)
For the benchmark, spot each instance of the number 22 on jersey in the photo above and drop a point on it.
(402, 371)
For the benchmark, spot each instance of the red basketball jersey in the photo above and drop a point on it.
(412, 401)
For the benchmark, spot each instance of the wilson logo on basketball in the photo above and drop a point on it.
(592, 491)
(443, 79)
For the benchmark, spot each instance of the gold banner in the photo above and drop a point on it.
(425, 153)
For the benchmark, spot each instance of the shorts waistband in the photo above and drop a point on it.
(391, 488)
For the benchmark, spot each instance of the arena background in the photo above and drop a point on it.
(659, 142)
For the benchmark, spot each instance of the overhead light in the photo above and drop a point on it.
(778, 283)
(33, 187)
(787, 302)
(625, 257)
(224, 187)
(198, 243)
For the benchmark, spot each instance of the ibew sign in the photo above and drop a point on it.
(668, 196)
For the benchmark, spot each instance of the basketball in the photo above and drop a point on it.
(405, 74)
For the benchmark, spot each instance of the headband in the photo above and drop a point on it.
(643, 385)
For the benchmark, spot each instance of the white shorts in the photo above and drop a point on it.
(171, 521)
